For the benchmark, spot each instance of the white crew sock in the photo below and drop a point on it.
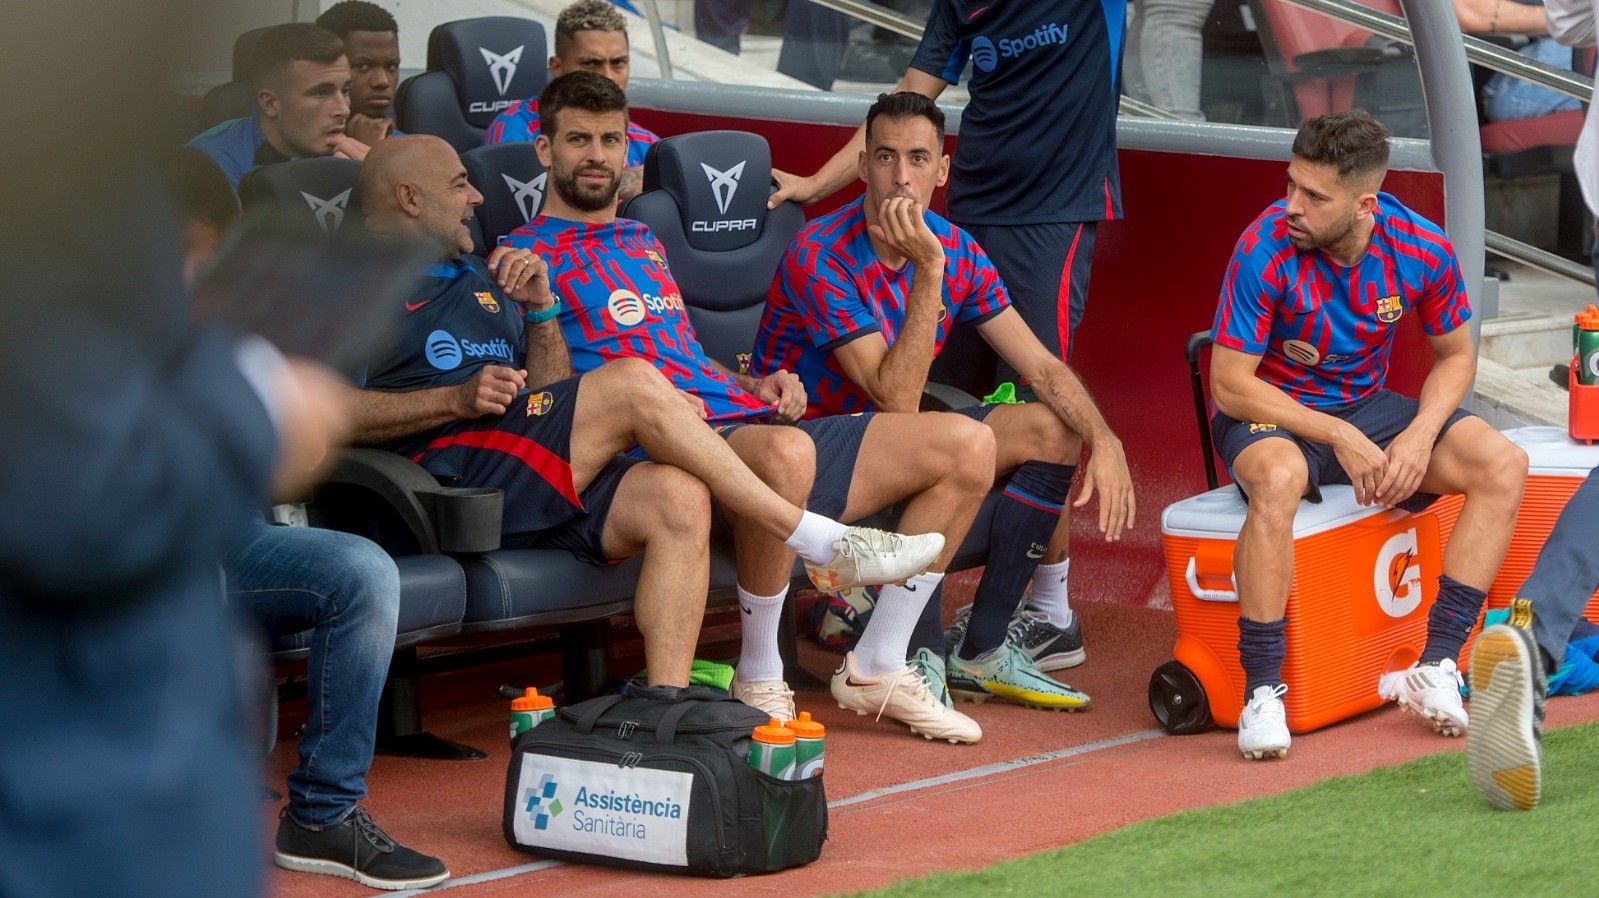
(758, 660)
(1049, 593)
(882, 648)
(814, 537)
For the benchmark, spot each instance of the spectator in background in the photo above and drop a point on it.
(1571, 22)
(1165, 49)
(292, 579)
(1505, 97)
(590, 36)
(302, 99)
(372, 48)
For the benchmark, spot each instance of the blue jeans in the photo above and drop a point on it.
(1507, 99)
(347, 590)
(1567, 571)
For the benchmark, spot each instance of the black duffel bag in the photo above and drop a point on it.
(634, 781)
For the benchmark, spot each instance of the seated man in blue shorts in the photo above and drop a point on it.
(590, 36)
(861, 463)
(478, 389)
(1510, 662)
(861, 306)
(1303, 333)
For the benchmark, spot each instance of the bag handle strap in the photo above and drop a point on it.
(666, 729)
(595, 710)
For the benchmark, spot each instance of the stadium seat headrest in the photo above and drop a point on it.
(321, 190)
(243, 46)
(494, 60)
(720, 180)
(512, 183)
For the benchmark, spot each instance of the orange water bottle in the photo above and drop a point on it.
(529, 711)
(808, 746)
(772, 751)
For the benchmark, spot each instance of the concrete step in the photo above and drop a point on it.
(1526, 340)
(1510, 397)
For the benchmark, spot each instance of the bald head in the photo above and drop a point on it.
(415, 186)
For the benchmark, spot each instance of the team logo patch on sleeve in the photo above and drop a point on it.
(1389, 308)
(539, 403)
(488, 302)
(655, 257)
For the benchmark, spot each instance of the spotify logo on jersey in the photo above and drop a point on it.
(626, 308)
(1301, 352)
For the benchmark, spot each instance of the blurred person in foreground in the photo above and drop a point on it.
(136, 443)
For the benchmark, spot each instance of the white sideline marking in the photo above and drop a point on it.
(869, 795)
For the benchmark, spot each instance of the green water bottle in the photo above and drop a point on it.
(808, 745)
(529, 711)
(1588, 350)
(772, 752)
(1576, 324)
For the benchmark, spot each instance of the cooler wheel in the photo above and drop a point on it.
(1177, 700)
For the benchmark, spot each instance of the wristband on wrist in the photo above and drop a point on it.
(539, 316)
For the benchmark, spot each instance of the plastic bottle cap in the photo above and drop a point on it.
(532, 701)
(774, 733)
(806, 728)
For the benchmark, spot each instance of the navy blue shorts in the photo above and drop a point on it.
(838, 444)
(1045, 267)
(526, 454)
(1381, 416)
(978, 412)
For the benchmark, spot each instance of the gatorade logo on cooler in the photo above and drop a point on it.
(1396, 576)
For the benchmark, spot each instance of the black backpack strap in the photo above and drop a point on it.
(595, 710)
(666, 728)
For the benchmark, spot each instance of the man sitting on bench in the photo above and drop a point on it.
(1303, 333)
(479, 390)
(859, 308)
(845, 466)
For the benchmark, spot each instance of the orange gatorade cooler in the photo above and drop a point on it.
(1357, 606)
(1556, 466)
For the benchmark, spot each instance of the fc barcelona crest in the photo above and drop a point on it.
(655, 257)
(1389, 309)
(539, 403)
(488, 302)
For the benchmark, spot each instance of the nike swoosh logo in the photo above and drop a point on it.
(413, 306)
(851, 681)
(910, 587)
(1034, 555)
(976, 12)
(745, 609)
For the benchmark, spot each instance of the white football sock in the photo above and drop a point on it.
(814, 537)
(758, 660)
(1049, 593)
(883, 646)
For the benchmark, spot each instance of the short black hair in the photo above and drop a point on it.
(905, 104)
(578, 90)
(1353, 142)
(198, 190)
(356, 15)
(290, 43)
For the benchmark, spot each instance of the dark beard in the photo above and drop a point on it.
(575, 196)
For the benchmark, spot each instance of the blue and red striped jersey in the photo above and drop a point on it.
(619, 300)
(1324, 332)
(830, 288)
(520, 122)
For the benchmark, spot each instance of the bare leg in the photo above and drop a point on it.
(628, 402)
(665, 515)
(784, 458)
(1274, 474)
(1476, 460)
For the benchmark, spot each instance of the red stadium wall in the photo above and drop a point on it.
(1155, 281)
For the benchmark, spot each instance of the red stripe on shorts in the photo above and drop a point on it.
(551, 468)
(1063, 298)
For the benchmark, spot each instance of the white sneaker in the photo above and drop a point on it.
(1263, 726)
(868, 557)
(771, 697)
(1430, 690)
(904, 696)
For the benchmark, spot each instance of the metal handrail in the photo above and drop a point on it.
(876, 15)
(1479, 51)
(1533, 257)
(663, 55)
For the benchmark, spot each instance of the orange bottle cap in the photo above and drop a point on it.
(532, 701)
(806, 728)
(774, 733)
